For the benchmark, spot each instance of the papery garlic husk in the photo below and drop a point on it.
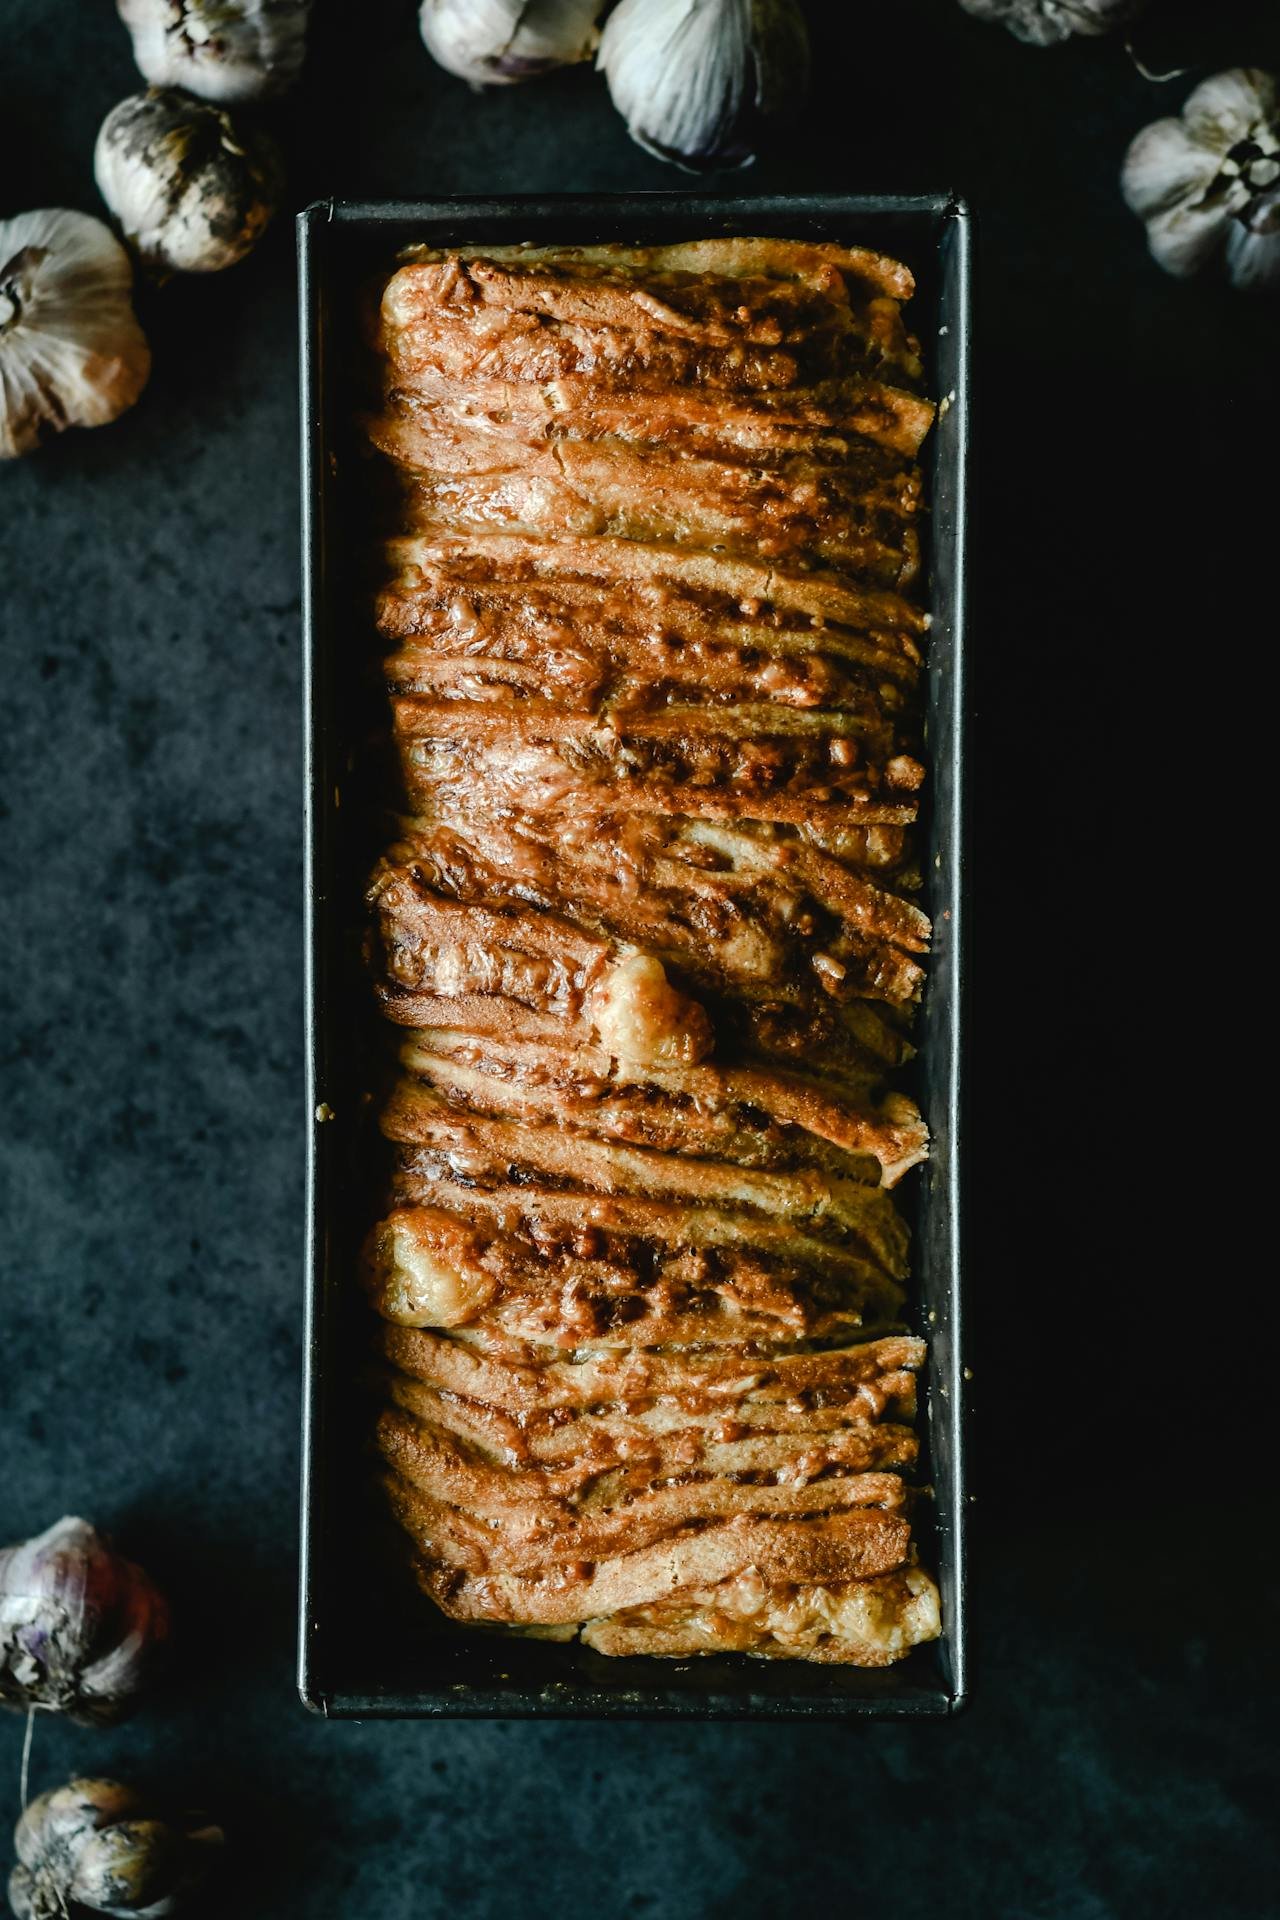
(82, 1630)
(495, 42)
(192, 193)
(1207, 183)
(228, 51)
(98, 1847)
(71, 351)
(697, 80)
(1047, 23)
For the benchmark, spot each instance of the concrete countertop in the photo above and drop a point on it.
(1117, 1760)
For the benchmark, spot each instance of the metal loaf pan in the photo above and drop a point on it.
(369, 1644)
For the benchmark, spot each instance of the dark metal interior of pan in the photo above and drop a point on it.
(369, 1643)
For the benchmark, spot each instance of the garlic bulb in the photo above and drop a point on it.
(493, 42)
(1045, 23)
(71, 352)
(95, 1846)
(1208, 184)
(223, 50)
(696, 79)
(190, 193)
(81, 1630)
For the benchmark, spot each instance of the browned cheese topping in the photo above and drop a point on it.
(649, 925)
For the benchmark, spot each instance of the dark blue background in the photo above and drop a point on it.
(1118, 1759)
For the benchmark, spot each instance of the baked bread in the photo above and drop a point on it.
(648, 925)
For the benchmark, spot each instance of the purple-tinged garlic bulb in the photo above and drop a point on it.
(1046, 23)
(82, 1630)
(1207, 184)
(492, 43)
(71, 351)
(95, 1846)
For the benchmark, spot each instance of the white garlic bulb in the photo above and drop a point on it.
(1045, 23)
(695, 80)
(81, 1629)
(495, 42)
(191, 193)
(222, 50)
(95, 1846)
(71, 352)
(1208, 184)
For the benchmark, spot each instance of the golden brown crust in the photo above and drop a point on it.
(869, 1623)
(872, 1380)
(649, 919)
(754, 1437)
(536, 1520)
(755, 1115)
(463, 1576)
(567, 1271)
(822, 265)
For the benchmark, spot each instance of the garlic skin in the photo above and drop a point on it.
(696, 79)
(497, 42)
(95, 1846)
(227, 51)
(1208, 183)
(71, 352)
(82, 1630)
(191, 194)
(1047, 23)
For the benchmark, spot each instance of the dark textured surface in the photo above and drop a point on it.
(1118, 1759)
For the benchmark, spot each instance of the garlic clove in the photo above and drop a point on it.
(50, 1823)
(497, 42)
(1184, 239)
(1253, 251)
(1229, 107)
(697, 80)
(128, 1867)
(71, 351)
(1165, 165)
(191, 193)
(227, 51)
(112, 1676)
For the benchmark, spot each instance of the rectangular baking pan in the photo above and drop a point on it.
(369, 1644)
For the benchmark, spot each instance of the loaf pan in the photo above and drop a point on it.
(369, 1644)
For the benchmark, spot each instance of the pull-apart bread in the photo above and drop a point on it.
(648, 925)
